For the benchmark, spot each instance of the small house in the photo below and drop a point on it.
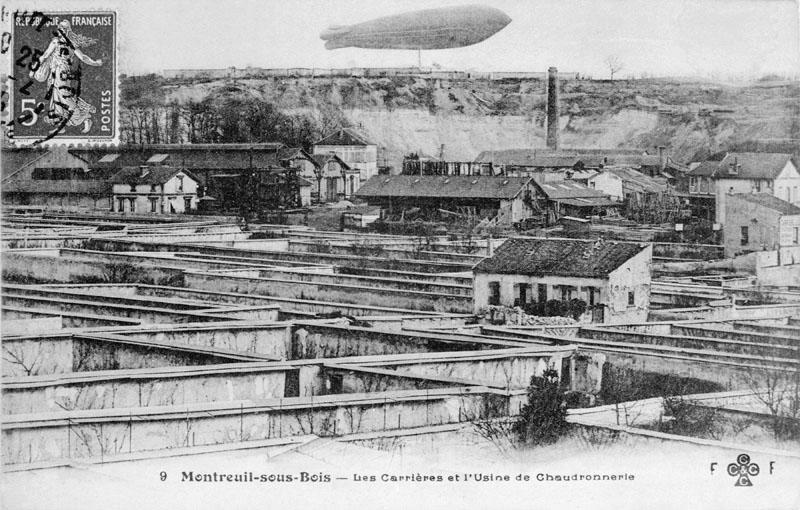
(611, 277)
(353, 148)
(760, 222)
(157, 190)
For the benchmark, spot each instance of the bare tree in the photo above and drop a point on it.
(614, 64)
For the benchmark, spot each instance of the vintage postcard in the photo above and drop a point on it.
(433, 254)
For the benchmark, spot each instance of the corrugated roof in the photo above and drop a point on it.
(564, 158)
(444, 186)
(770, 202)
(536, 158)
(100, 187)
(15, 159)
(193, 156)
(559, 257)
(569, 189)
(158, 158)
(108, 158)
(633, 180)
(590, 202)
(345, 136)
(749, 165)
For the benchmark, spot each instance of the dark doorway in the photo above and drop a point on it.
(291, 387)
(542, 290)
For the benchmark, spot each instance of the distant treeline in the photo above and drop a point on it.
(148, 116)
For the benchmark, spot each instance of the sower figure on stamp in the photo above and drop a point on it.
(59, 67)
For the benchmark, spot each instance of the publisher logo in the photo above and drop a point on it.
(743, 469)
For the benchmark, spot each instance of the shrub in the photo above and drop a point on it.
(543, 418)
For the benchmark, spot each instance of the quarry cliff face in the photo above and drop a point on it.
(465, 117)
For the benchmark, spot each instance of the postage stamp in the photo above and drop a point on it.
(63, 81)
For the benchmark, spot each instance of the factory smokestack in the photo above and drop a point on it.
(552, 108)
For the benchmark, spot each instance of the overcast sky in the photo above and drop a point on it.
(661, 37)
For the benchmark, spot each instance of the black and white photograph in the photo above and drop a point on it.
(400, 254)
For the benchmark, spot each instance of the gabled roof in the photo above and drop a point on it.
(321, 159)
(345, 136)
(154, 175)
(287, 153)
(568, 189)
(770, 202)
(559, 257)
(749, 165)
(443, 186)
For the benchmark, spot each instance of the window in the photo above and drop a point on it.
(757, 186)
(592, 295)
(745, 236)
(523, 291)
(631, 298)
(133, 204)
(153, 188)
(153, 205)
(541, 289)
(120, 205)
(187, 203)
(180, 183)
(494, 293)
(796, 236)
(567, 292)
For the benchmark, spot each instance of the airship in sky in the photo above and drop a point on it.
(428, 29)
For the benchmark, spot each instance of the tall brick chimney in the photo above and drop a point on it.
(552, 108)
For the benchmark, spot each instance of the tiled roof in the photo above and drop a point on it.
(569, 189)
(345, 136)
(750, 165)
(770, 202)
(558, 257)
(154, 175)
(444, 186)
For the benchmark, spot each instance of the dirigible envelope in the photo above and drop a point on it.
(429, 29)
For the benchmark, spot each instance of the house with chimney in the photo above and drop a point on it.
(761, 222)
(724, 174)
(353, 148)
(611, 277)
(154, 190)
